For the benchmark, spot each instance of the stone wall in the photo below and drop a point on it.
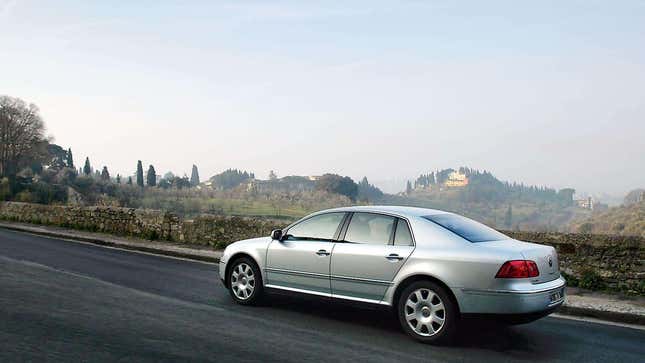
(590, 261)
(143, 223)
(596, 261)
(207, 230)
(219, 231)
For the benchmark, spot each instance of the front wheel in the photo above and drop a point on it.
(426, 312)
(245, 282)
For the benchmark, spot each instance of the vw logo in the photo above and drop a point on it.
(550, 261)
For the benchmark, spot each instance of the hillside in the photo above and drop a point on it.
(480, 195)
(626, 220)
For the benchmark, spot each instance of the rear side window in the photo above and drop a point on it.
(467, 228)
(320, 227)
(403, 237)
(370, 228)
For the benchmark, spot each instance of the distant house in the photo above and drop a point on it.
(285, 184)
(585, 203)
(456, 179)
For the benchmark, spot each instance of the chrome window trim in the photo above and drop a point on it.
(414, 241)
(285, 231)
(347, 212)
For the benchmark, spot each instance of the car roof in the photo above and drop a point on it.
(394, 209)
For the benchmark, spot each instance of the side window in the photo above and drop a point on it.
(321, 227)
(403, 237)
(370, 228)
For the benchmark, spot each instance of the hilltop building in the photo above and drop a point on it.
(456, 179)
(285, 184)
(585, 203)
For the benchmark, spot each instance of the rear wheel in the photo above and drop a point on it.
(427, 313)
(245, 282)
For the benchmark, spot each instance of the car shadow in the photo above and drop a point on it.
(476, 334)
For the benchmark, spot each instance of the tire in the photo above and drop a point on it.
(245, 282)
(421, 308)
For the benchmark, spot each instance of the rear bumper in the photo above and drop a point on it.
(530, 301)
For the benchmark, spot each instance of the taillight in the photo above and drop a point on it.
(518, 269)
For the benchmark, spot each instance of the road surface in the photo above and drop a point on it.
(67, 301)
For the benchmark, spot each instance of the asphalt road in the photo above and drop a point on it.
(66, 301)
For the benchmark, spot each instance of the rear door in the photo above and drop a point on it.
(367, 258)
(301, 260)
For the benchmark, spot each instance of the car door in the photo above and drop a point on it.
(365, 261)
(301, 260)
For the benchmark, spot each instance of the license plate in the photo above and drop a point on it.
(555, 296)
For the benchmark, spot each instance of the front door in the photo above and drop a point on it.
(372, 251)
(301, 260)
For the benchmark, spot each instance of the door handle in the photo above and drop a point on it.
(322, 253)
(394, 257)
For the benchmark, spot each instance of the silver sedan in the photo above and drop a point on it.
(431, 267)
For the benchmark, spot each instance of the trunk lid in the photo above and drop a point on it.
(545, 257)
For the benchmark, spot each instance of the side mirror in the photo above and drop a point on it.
(276, 234)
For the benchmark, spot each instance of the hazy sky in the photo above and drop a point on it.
(549, 93)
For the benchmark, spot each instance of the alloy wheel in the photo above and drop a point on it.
(425, 312)
(242, 281)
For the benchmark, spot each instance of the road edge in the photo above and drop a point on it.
(613, 316)
(115, 244)
(575, 311)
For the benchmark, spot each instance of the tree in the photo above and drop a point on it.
(118, 178)
(129, 180)
(566, 195)
(139, 174)
(368, 192)
(56, 157)
(180, 182)
(105, 174)
(151, 176)
(508, 217)
(22, 135)
(194, 176)
(70, 158)
(334, 183)
(273, 175)
(229, 178)
(87, 168)
(408, 188)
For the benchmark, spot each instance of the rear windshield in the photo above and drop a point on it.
(466, 228)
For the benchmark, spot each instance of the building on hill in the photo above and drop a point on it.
(585, 203)
(456, 179)
(285, 184)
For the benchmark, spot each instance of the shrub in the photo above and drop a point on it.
(590, 279)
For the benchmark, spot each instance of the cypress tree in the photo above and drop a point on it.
(194, 177)
(139, 174)
(408, 188)
(129, 180)
(70, 158)
(105, 174)
(87, 168)
(118, 178)
(508, 218)
(151, 176)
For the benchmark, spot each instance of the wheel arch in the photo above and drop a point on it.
(422, 277)
(231, 261)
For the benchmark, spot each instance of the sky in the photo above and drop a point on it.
(548, 93)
